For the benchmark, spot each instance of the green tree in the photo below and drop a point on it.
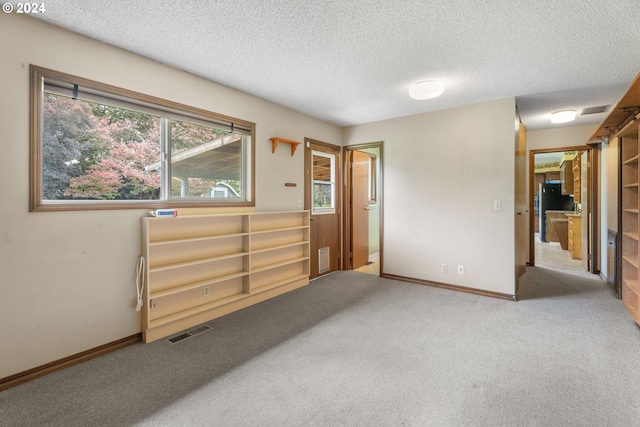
(120, 174)
(70, 143)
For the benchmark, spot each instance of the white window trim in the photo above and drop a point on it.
(332, 182)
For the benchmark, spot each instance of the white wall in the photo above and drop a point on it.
(67, 279)
(442, 173)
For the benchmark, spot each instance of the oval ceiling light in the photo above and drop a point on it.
(563, 116)
(426, 89)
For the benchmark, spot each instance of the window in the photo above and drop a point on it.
(373, 181)
(323, 182)
(95, 146)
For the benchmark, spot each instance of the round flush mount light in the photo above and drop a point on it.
(426, 89)
(563, 116)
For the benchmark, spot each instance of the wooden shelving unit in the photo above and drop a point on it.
(202, 267)
(630, 222)
(622, 123)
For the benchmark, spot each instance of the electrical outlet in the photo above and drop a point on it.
(461, 269)
(444, 268)
(205, 291)
(300, 204)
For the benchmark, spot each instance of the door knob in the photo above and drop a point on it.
(367, 208)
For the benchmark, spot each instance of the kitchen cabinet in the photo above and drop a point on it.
(566, 177)
(577, 183)
(574, 239)
(551, 228)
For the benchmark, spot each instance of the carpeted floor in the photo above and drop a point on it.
(358, 350)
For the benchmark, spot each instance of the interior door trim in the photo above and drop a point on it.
(593, 190)
(346, 260)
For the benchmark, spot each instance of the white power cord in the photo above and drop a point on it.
(140, 276)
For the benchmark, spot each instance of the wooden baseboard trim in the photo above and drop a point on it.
(40, 371)
(451, 287)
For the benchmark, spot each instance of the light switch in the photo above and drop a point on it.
(497, 205)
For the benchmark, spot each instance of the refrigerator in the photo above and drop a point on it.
(550, 198)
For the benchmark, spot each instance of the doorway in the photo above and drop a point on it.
(323, 201)
(563, 221)
(363, 203)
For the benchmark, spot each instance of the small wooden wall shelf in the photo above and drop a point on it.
(276, 140)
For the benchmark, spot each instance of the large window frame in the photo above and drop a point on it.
(118, 97)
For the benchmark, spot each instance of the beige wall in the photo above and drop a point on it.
(67, 281)
(560, 137)
(442, 173)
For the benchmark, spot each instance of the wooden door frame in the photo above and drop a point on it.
(593, 184)
(346, 226)
(339, 186)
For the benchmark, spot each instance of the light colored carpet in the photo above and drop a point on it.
(358, 350)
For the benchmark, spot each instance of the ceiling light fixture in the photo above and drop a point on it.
(426, 89)
(563, 116)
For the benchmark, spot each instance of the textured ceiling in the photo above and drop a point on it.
(352, 61)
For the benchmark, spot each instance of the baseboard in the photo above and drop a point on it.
(451, 287)
(40, 371)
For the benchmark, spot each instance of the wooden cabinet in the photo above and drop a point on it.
(575, 170)
(630, 261)
(575, 236)
(566, 177)
(202, 267)
(552, 176)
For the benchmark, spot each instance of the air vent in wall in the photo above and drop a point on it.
(323, 260)
(594, 110)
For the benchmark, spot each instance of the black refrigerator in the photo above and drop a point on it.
(550, 198)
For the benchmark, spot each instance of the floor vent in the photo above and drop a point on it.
(189, 334)
(323, 260)
(179, 338)
(196, 331)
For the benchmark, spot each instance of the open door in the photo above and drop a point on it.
(322, 199)
(360, 169)
(363, 208)
(521, 235)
